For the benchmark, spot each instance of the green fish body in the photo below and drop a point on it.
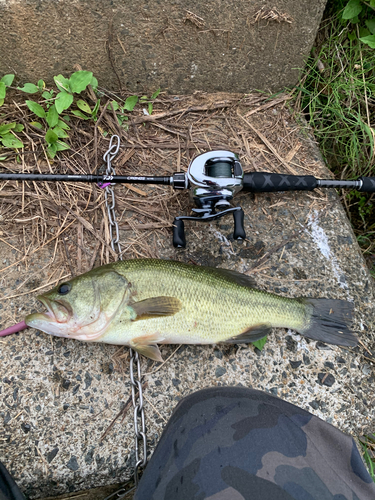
(144, 302)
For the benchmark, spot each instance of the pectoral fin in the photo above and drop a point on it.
(147, 346)
(253, 333)
(156, 306)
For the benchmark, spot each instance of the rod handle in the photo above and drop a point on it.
(239, 230)
(264, 182)
(368, 184)
(179, 240)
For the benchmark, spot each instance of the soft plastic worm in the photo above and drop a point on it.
(13, 329)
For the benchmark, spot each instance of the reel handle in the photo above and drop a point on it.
(239, 230)
(179, 240)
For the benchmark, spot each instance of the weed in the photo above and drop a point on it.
(337, 96)
(368, 448)
(54, 107)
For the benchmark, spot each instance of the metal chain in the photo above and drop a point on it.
(135, 364)
(110, 201)
(139, 414)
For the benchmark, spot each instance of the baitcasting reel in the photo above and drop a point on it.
(213, 178)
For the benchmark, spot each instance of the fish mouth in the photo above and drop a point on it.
(57, 310)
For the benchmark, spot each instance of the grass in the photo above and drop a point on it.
(336, 95)
(368, 448)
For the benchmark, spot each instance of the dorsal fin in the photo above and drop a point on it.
(233, 276)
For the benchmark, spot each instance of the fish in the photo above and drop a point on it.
(141, 303)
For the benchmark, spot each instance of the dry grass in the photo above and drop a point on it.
(68, 221)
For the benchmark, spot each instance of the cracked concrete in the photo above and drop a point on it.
(58, 396)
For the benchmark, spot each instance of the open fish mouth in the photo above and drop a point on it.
(56, 310)
(54, 320)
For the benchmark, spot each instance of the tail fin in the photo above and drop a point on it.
(329, 322)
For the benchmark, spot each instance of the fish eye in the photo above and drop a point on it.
(64, 288)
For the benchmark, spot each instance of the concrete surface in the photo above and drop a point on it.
(180, 46)
(58, 396)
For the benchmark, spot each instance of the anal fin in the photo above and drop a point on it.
(255, 332)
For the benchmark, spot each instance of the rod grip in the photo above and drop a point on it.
(239, 230)
(179, 240)
(368, 184)
(264, 182)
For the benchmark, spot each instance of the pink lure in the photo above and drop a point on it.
(13, 329)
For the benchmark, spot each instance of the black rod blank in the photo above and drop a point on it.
(121, 179)
(255, 182)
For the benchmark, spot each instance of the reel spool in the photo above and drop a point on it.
(214, 179)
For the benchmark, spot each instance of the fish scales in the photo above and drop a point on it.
(214, 308)
(145, 302)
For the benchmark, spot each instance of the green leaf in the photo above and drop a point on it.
(372, 3)
(9, 141)
(47, 95)
(1, 102)
(62, 83)
(94, 83)
(18, 128)
(36, 108)
(156, 93)
(51, 136)
(51, 150)
(79, 81)
(83, 106)
(81, 115)
(130, 103)
(143, 98)
(2, 90)
(3, 158)
(63, 101)
(4, 129)
(62, 146)
(66, 118)
(120, 118)
(63, 125)
(37, 125)
(260, 343)
(61, 134)
(52, 116)
(150, 108)
(7, 80)
(96, 108)
(115, 105)
(369, 40)
(352, 36)
(370, 23)
(352, 9)
(363, 32)
(29, 88)
(41, 85)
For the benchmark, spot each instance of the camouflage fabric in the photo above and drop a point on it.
(8, 488)
(232, 443)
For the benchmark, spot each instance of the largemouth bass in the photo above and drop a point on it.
(144, 302)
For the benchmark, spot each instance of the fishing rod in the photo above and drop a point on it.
(213, 178)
